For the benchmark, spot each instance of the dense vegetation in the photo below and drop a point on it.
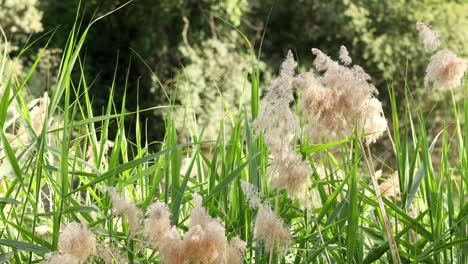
(164, 132)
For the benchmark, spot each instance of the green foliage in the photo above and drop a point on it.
(212, 86)
(384, 32)
(145, 30)
(18, 19)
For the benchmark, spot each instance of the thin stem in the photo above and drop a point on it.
(388, 229)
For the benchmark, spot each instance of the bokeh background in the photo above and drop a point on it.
(191, 52)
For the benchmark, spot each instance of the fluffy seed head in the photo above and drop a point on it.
(288, 171)
(235, 250)
(268, 226)
(344, 56)
(76, 240)
(38, 113)
(172, 248)
(390, 187)
(336, 99)
(57, 258)
(272, 230)
(430, 38)
(198, 215)
(91, 159)
(122, 206)
(110, 254)
(43, 229)
(205, 244)
(322, 62)
(445, 70)
(184, 168)
(205, 239)
(276, 119)
(252, 194)
(158, 223)
(372, 120)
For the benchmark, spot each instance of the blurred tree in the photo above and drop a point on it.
(212, 84)
(380, 35)
(18, 19)
(386, 36)
(152, 30)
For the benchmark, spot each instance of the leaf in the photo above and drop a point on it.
(24, 246)
(123, 167)
(4, 102)
(377, 252)
(418, 177)
(81, 209)
(11, 155)
(181, 191)
(308, 149)
(330, 201)
(5, 257)
(9, 201)
(226, 181)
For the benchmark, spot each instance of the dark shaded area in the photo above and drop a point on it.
(380, 35)
(116, 45)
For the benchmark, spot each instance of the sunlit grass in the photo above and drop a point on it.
(49, 180)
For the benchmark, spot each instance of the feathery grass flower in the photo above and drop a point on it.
(338, 99)
(205, 239)
(344, 56)
(252, 194)
(57, 258)
(91, 159)
(288, 171)
(76, 245)
(430, 38)
(235, 250)
(110, 254)
(276, 120)
(445, 70)
(121, 206)
(158, 223)
(390, 187)
(269, 227)
(204, 242)
(78, 241)
(38, 113)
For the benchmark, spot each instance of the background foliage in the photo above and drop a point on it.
(174, 35)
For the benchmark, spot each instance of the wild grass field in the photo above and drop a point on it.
(292, 177)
